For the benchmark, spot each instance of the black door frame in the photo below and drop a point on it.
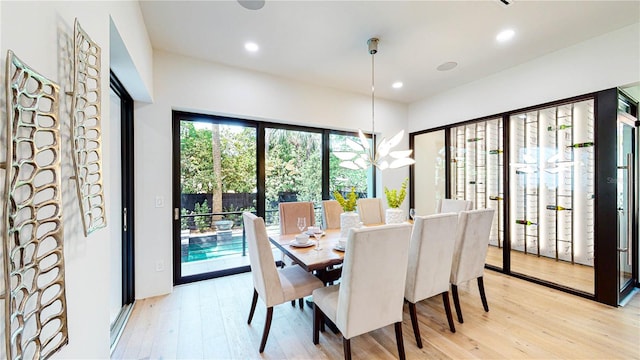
(624, 290)
(606, 287)
(127, 188)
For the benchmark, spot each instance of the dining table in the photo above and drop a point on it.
(321, 262)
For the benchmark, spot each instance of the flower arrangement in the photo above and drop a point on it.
(395, 198)
(348, 204)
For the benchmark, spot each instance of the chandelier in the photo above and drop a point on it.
(363, 155)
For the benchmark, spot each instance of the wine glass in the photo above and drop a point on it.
(302, 223)
(412, 213)
(317, 233)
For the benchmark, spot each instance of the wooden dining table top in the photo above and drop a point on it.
(307, 257)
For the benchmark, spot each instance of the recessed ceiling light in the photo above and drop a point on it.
(251, 47)
(505, 35)
(447, 66)
(397, 85)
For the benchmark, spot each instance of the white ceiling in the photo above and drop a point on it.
(324, 42)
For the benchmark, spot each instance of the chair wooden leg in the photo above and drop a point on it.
(456, 302)
(301, 303)
(346, 346)
(399, 340)
(414, 323)
(317, 319)
(447, 309)
(253, 305)
(483, 297)
(267, 326)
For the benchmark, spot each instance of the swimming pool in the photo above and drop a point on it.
(212, 246)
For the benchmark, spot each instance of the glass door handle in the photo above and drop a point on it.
(630, 188)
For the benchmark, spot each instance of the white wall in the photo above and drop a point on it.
(35, 32)
(131, 54)
(607, 61)
(183, 83)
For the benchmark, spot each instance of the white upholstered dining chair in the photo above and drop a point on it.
(430, 257)
(291, 211)
(331, 211)
(472, 241)
(273, 286)
(370, 211)
(371, 291)
(453, 206)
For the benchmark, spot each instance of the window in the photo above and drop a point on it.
(224, 166)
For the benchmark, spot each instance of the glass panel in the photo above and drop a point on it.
(115, 209)
(551, 174)
(429, 171)
(624, 193)
(477, 172)
(343, 179)
(218, 183)
(293, 171)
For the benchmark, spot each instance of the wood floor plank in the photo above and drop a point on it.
(208, 320)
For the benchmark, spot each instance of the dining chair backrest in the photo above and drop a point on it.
(370, 210)
(472, 241)
(430, 256)
(453, 206)
(374, 270)
(331, 211)
(263, 268)
(291, 211)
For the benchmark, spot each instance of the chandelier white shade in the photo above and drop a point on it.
(363, 155)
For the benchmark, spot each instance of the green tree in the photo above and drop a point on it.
(343, 179)
(197, 174)
(202, 218)
(238, 159)
(293, 164)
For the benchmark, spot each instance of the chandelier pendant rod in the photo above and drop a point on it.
(375, 154)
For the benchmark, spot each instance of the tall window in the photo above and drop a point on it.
(224, 166)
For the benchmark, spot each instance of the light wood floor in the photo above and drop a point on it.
(576, 276)
(208, 320)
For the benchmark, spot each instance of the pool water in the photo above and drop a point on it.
(212, 247)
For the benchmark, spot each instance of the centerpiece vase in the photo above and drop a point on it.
(348, 220)
(394, 216)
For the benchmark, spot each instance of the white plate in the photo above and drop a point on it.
(297, 244)
(311, 233)
(339, 248)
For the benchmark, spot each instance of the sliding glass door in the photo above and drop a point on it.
(217, 173)
(224, 166)
(121, 214)
(626, 198)
(562, 177)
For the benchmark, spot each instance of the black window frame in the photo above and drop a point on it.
(261, 127)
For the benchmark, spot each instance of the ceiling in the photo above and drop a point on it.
(325, 42)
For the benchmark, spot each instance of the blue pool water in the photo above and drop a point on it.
(212, 247)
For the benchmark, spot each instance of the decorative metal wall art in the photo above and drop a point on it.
(86, 130)
(35, 302)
